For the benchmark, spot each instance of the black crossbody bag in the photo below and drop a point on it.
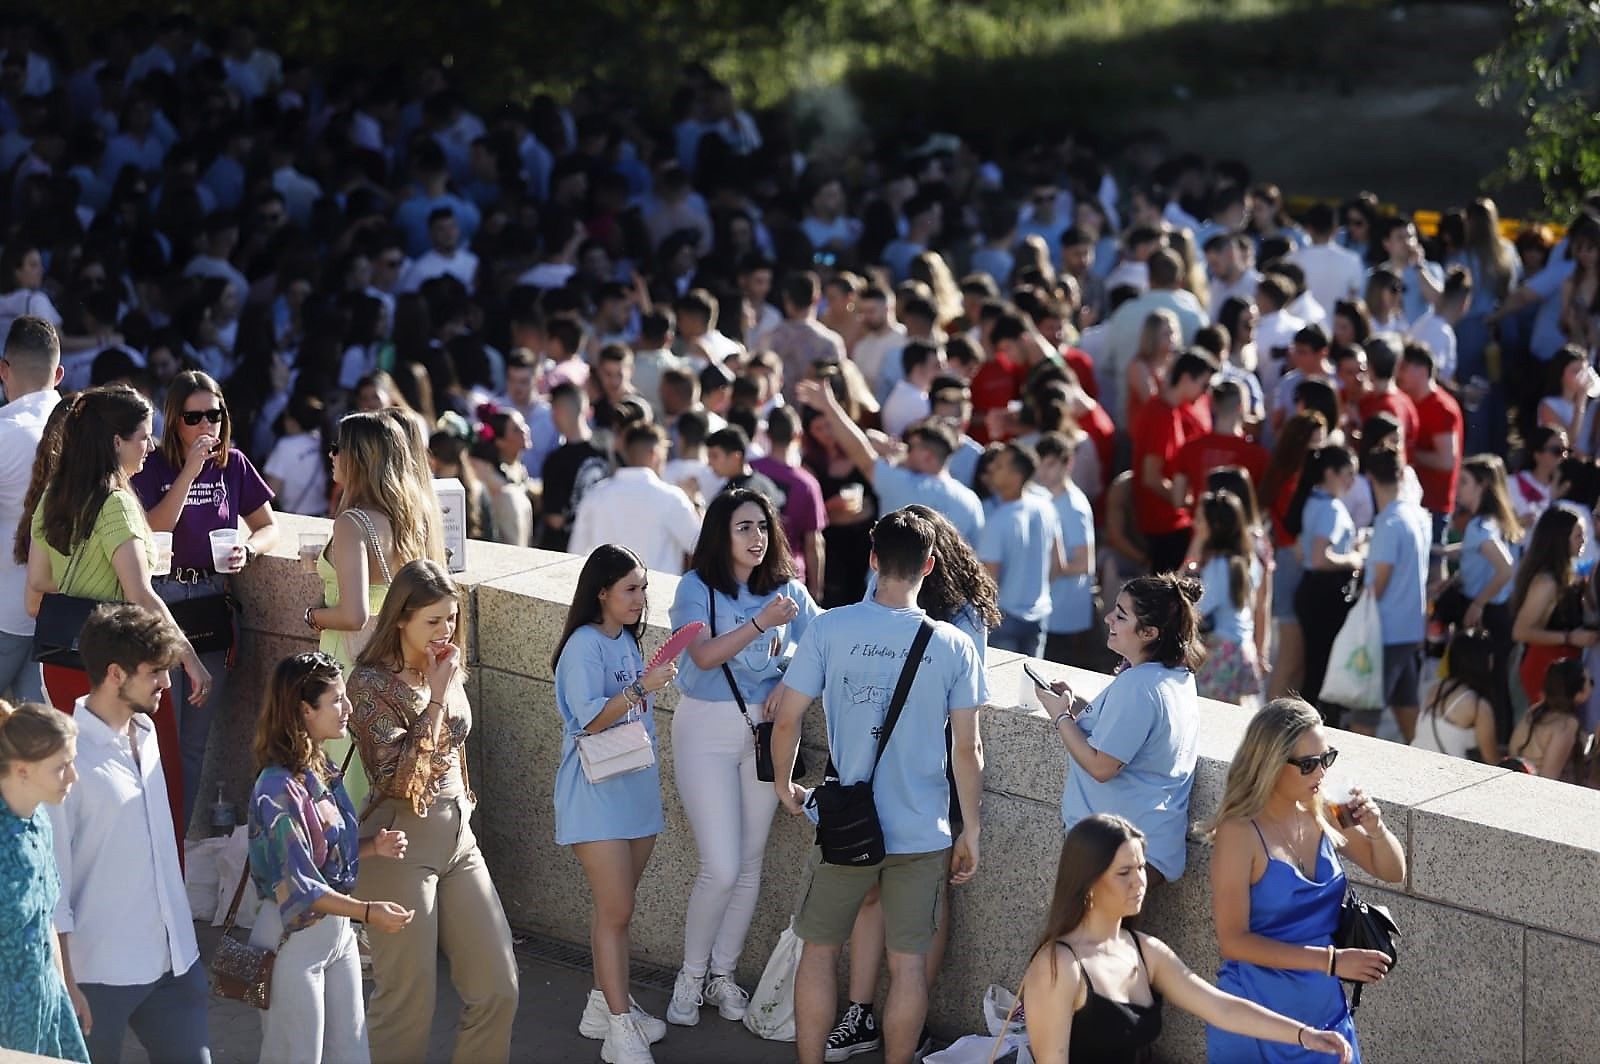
(766, 771)
(1363, 925)
(847, 817)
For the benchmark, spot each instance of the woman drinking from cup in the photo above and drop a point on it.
(611, 822)
(196, 487)
(742, 586)
(37, 1013)
(1087, 953)
(304, 851)
(1277, 883)
(410, 719)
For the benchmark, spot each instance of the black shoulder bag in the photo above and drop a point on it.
(1363, 925)
(766, 772)
(847, 817)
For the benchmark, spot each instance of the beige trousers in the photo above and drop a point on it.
(444, 881)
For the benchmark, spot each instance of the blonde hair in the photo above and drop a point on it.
(381, 474)
(1268, 744)
(415, 431)
(32, 732)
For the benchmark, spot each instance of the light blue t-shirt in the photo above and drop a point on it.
(1401, 534)
(1547, 336)
(852, 656)
(967, 622)
(1230, 623)
(1325, 517)
(592, 668)
(1072, 597)
(1476, 570)
(963, 467)
(1021, 536)
(1413, 303)
(899, 487)
(1147, 718)
(758, 667)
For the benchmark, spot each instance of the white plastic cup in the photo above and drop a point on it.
(223, 540)
(311, 546)
(854, 494)
(163, 565)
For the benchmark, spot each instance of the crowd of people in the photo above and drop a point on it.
(1123, 413)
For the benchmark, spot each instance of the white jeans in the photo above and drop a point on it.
(317, 1015)
(714, 756)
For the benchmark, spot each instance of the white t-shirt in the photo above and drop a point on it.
(462, 265)
(905, 406)
(1332, 272)
(296, 461)
(1440, 338)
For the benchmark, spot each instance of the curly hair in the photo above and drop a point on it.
(958, 579)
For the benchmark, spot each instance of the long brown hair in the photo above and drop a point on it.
(188, 383)
(1549, 552)
(1088, 851)
(88, 464)
(281, 736)
(418, 585)
(1489, 470)
(380, 474)
(44, 469)
(713, 551)
(1289, 457)
(958, 578)
(607, 563)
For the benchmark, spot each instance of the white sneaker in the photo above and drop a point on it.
(596, 1021)
(686, 1000)
(625, 1043)
(724, 993)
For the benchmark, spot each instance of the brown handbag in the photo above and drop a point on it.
(239, 970)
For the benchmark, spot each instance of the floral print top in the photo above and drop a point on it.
(389, 722)
(35, 1013)
(303, 841)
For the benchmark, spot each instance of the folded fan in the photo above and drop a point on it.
(676, 643)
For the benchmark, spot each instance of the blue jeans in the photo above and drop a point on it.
(194, 722)
(1023, 636)
(168, 1017)
(20, 676)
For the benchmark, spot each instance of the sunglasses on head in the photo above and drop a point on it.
(1308, 765)
(194, 417)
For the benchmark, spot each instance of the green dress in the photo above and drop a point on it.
(343, 647)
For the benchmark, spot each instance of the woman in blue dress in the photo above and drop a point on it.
(37, 748)
(1277, 882)
(611, 825)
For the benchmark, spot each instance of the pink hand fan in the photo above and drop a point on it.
(676, 643)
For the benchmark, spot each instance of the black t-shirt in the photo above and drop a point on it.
(760, 482)
(570, 471)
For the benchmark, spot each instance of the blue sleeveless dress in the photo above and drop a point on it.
(1288, 907)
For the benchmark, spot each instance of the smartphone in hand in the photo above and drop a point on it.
(1038, 681)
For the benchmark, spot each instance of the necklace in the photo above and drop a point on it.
(1293, 844)
(421, 676)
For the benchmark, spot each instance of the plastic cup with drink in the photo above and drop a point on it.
(163, 565)
(311, 547)
(223, 542)
(1338, 795)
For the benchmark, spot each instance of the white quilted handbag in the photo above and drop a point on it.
(617, 751)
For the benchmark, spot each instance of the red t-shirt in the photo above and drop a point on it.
(1400, 405)
(997, 382)
(1099, 427)
(1437, 414)
(1161, 431)
(1078, 360)
(1202, 454)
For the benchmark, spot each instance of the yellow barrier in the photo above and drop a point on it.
(1427, 222)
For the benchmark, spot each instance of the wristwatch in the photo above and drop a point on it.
(250, 554)
(637, 691)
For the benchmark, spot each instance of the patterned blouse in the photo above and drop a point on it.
(390, 725)
(35, 1013)
(303, 838)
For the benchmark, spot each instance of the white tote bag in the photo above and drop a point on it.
(771, 1011)
(1355, 665)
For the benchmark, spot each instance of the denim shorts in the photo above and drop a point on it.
(1285, 579)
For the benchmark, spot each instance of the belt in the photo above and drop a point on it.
(189, 576)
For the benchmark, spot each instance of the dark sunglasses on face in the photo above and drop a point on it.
(194, 417)
(1559, 452)
(1308, 765)
(333, 450)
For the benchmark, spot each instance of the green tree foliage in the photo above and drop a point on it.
(1548, 68)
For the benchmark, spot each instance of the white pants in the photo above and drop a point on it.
(317, 1015)
(730, 810)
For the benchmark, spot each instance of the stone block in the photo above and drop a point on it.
(1560, 1024)
(1519, 847)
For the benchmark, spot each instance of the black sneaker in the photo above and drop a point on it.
(925, 1046)
(856, 1032)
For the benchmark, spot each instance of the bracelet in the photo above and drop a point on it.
(1333, 958)
(757, 627)
(431, 703)
(1065, 714)
(366, 917)
(309, 622)
(1300, 1036)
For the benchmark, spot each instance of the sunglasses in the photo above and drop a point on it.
(333, 450)
(1559, 452)
(1308, 765)
(194, 417)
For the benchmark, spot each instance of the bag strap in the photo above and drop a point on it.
(365, 521)
(711, 626)
(238, 896)
(1005, 1027)
(903, 689)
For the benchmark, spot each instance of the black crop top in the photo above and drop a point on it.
(1105, 1031)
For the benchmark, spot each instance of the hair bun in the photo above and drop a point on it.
(1190, 588)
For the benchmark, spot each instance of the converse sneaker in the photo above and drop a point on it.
(686, 1000)
(856, 1032)
(625, 1043)
(724, 993)
(596, 1021)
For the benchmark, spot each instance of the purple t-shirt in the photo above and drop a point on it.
(217, 499)
(803, 511)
